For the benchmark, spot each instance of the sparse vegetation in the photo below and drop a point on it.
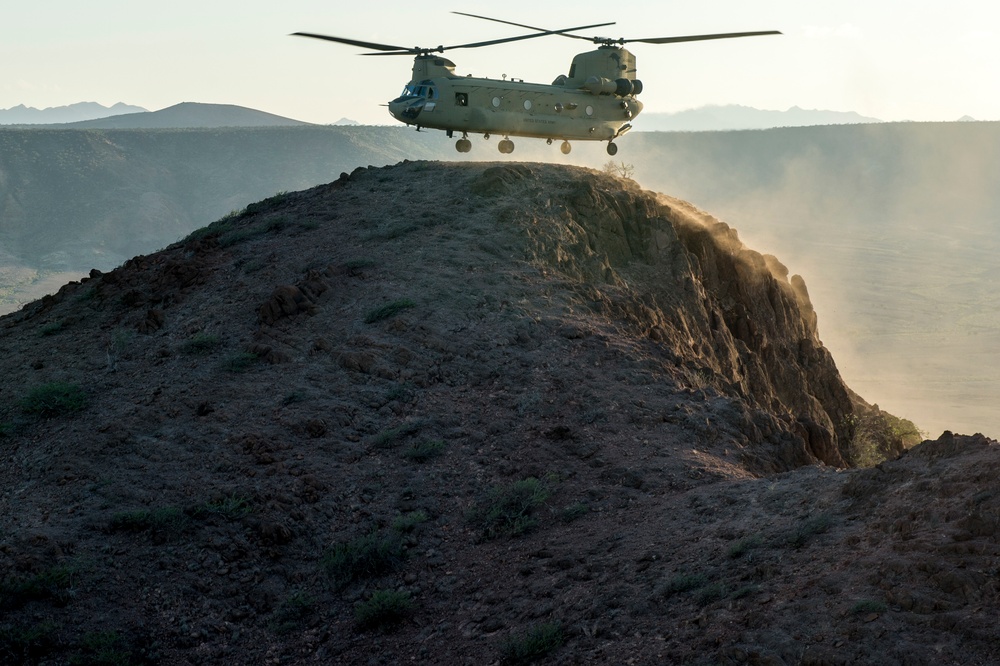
(26, 645)
(292, 613)
(509, 511)
(383, 609)
(54, 584)
(421, 452)
(388, 310)
(744, 546)
(51, 329)
(875, 436)
(868, 606)
(391, 438)
(54, 399)
(618, 169)
(355, 266)
(164, 519)
(240, 361)
(106, 648)
(408, 522)
(710, 593)
(536, 643)
(807, 529)
(294, 397)
(367, 556)
(682, 582)
(200, 344)
(574, 512)
(230, 507)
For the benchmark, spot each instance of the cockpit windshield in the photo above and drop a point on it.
(420, 90)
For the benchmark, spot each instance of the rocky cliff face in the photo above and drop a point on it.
(454, 414)
(722, 314)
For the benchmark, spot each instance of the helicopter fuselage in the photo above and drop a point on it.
(587, 105)
(515, 108)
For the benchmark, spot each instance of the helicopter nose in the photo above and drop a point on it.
(406, 110)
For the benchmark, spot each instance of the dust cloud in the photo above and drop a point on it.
(894, 229)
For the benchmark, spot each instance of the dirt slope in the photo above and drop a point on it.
(517, 398)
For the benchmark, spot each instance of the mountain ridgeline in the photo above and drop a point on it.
(893, 226)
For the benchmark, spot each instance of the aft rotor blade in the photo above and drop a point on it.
(355, 42)
(699, 38)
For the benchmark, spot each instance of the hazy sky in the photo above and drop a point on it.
(918, 60)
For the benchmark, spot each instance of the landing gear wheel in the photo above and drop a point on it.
(463, 146)
(612, 149)
(506, 146)
(565, 148)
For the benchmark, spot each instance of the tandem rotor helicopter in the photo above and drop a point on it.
(595, 102)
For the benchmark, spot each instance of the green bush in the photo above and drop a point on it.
(536, 643)
(508, 511)
(711, 592)
(292, 613)
(54, 399)
(868, 606)
(200, 344)
(421, 452)
(54, 584)
(26, 645)
(240, 361)
(809, 528)
(683, 583)
(574, 512)
(388, 439)
(106, 648)
(388, 310)
(230, 507)
(368, 556)
(744, 546)
(51, 329)
(385, 608)
(164, 519)
(408, 522)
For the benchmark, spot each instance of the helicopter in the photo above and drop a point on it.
(595, 101)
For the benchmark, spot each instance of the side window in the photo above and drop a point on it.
(462, 99)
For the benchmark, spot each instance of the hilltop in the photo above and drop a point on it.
(188, 115)
(892, 224)
(451, 413)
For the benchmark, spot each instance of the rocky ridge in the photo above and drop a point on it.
(520, 397)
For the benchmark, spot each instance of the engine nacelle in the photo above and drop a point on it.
(623, 87)
(598, 85)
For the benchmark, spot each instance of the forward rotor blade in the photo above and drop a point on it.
(562, 33)
(699, 38)
(543, 33)
(354, 42)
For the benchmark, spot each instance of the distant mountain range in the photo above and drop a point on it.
(89, 115)
(27, 115)
(189, 115)
(736, 117)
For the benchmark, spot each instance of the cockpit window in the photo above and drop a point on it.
(418, 90)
